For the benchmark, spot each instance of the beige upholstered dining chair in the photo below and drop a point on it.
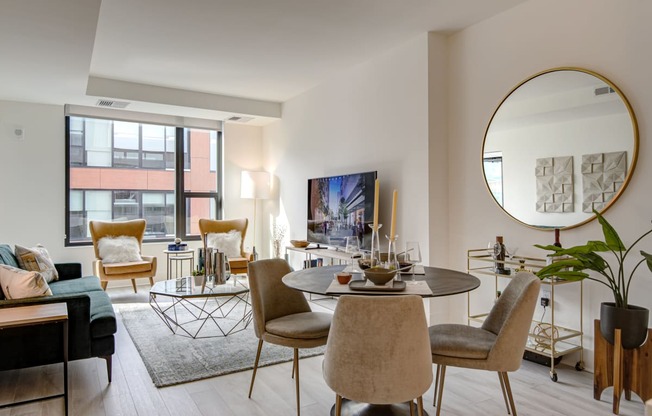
(237, 263)
(282, 315)
(378, 351)
(141, 266)
(497, 345)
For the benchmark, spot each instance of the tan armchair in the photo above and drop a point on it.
(496, 346)
(238, 264)
(118, 271)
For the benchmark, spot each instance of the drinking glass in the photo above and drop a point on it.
(412, 256)
(352, 246)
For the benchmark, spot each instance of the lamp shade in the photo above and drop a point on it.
(254, 185)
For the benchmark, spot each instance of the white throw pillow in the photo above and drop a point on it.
(123, 249)
(37, 259)
(19, 284)
(228, 243)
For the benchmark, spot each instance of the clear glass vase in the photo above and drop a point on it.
(392, 256)
(375, 246)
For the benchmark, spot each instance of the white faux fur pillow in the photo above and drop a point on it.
(121, 249)
(19, 284)
(228, 243)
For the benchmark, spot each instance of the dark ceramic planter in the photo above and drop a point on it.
(632, 322)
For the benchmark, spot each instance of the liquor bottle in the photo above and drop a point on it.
(499, 255)
(557, 243)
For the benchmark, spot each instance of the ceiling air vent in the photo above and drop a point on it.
(240, 119)
(111, 103)
(603, 91)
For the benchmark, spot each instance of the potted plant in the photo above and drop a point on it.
(574, 263)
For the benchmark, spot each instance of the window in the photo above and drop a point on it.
(493, 171)
(123, 170)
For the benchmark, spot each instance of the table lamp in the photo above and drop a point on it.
(254, 185)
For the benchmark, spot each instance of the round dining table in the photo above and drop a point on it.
(442, 282)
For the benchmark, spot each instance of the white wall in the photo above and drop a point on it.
(371, 117)
(487, 61)
(32, 184)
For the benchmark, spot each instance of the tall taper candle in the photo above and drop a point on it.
(376, 204)
(392, 231)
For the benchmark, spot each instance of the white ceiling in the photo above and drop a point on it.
(205, 58)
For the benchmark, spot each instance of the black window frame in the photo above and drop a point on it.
(182, 165)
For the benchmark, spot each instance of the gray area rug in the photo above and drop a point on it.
(173, 359)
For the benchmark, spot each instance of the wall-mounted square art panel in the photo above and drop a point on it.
(554, 184)
(602, 176)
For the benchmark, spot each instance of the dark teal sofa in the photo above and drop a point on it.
(91, 322)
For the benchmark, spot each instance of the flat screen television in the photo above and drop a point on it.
(339, 207)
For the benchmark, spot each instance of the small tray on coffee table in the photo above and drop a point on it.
(361, 285)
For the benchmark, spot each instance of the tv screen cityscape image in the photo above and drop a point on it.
(341, 207)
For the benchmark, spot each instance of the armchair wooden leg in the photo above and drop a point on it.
(508, 389)
(109, 365)
(151, 281)
(253, 375)
(104, 283)
(133, 283)
(502, 388)
(440, 393)
(296, 379)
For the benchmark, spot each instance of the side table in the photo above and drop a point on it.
(177, 257)
(47, 314)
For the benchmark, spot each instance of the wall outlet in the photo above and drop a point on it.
(545, 302)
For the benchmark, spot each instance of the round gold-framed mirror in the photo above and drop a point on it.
(560, 144)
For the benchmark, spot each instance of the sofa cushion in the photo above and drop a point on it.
(19, 284)
(37, 259)
(75, 286)
(124, 268)
(102, 315)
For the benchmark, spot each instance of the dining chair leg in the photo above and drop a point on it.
(420, 406)
(296, 379)
(434, 393)
(441, 387)
(253, 375)
(508, 389)
(294, 367)
(338, 405)
(411, 403)
(502, 388)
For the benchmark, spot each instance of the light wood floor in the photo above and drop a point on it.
(467, 392)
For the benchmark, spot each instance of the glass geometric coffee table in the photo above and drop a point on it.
(188, 307)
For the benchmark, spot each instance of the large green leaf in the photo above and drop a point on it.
(648, 259)
(571, 275)
(610, 235)
(592, 261)
(557, 266)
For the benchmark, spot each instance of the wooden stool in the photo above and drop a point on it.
(629, 370)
